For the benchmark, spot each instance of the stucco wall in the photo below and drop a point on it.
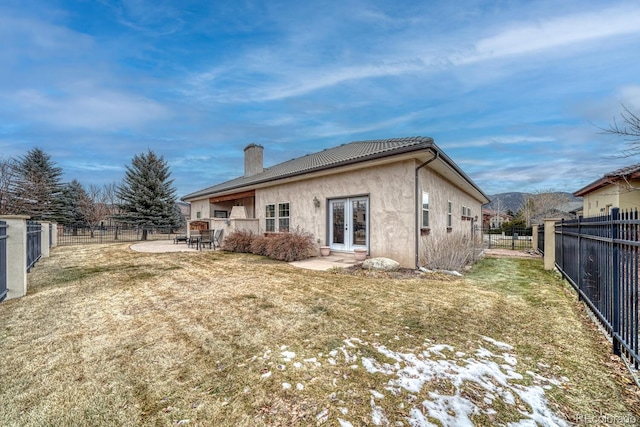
(392, 206)
(207, 209)
(441, 192)
(623, 196)
(390, 191)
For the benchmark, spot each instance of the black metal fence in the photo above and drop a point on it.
(34, 243)
(84, 234)
(3, 260)
(512, 238)
(600, 258)
(541, 238)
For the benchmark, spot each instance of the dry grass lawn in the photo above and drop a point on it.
(107, 336)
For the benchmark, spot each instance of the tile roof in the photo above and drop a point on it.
(628, 170)
(345, 154)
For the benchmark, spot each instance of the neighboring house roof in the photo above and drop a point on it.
(343, 155)
(628, 172)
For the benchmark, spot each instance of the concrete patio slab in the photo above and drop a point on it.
(314, 263)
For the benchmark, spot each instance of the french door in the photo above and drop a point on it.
(349, 223)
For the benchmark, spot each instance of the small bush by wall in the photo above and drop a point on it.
(238, 241)
(452, 252)
(293, 246)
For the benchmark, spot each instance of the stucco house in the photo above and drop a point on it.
(617, 189)
(385, 196)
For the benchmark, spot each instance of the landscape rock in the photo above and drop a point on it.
(381, 263)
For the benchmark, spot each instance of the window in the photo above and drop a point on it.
(270, 215)
(449, 214)
(280, 217)
(425, 210)
(283, 217)
(466, 213)
(220, 214)
(198, 215)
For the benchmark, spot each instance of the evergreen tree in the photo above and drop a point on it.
(148, 197)
(73, 199)
(38, 186)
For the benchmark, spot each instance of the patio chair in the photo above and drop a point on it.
(180, 238)
(217, 238)
(194, 239)
(206, 238)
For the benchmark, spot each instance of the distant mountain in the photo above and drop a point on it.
(513, 201)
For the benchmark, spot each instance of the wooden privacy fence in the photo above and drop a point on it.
(600, 258)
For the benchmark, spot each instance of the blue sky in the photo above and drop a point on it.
(512, 91)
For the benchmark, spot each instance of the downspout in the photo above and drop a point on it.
(436, 154)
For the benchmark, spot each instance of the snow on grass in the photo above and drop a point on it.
(491, 374)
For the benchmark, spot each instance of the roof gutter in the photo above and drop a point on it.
(436, 155)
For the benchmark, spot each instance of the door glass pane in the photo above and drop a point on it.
(338, 222)
(359, 226)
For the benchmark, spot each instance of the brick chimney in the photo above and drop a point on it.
(253, 159)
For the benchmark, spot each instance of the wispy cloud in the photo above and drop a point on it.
(92, 108)
(520, 38)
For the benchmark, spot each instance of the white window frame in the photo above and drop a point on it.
(270, 219)
(425, 209)
(449, 214)
(283, 217)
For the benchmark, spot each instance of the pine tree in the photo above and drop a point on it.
(73, 198)
(39, 187)
(147, 194)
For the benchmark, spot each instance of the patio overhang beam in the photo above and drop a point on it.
(234, 196)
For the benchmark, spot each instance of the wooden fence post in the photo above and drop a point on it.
(16, 255)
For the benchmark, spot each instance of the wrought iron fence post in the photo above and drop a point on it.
(615, 230)
(562, 243)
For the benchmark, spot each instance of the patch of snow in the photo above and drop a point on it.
(266, 374)
(323, 416)
(288, 355)
(344, 423)
(311, 360)
(299, 387)
(286, 386)
(510, 359)
(331, 361)
(377, 394)
(498, 344)
(377, 415)
(450, 410)
(297, 365)
(411, 371)
(344, 411)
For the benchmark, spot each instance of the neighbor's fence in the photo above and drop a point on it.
(81, 234)
(34, 243)
(513, 238)
(540, 239)
(3, 260)
(600, 258)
